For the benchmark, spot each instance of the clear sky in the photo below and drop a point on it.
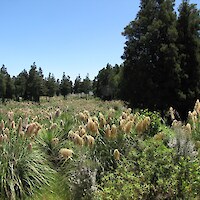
(71, 36)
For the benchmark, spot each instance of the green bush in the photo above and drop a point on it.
(150, 172)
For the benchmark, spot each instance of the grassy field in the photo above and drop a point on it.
(91, 149)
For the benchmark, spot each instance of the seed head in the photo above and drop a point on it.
(90, 140)
(66, 153)
(13, 124)
(82, 131)
(19, 129)
(30, 129)
(6, 131)
(57, 113)
(128, 127)
(61, 123)
(81, 116)
(197, 107)
(124, 115)
(108, 131)
(116, 154)
(5, 137)
(53, 126)
(122, 124)
(10, 116)
(146, 123)
(128, 111)
(55, 141)
(113, 130)
(188, 128)
(78, 140)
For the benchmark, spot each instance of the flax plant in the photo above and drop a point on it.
(24, 168)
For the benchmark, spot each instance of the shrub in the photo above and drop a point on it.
(23, 167)
(150, 172)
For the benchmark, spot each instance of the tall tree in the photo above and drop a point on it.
(151, 76)
(20, 83)
(65, 85)
(7, 84)
(10, 87)
(188, 26)
(106, 84)
(57, 87)
(2, 87)
(34, 84)
(86, 85)
(77, 85)
(51, 85)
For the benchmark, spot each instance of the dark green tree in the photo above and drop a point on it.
(151, 77)
(43, 89)
(9, 85)
(102, 88)
(86, 85)
(20, 83)
(2, 87)
(188, 26)
(51, 85)
(106, 83)
(77, 85)
(34, 84)
(65, 85)
(58, 87)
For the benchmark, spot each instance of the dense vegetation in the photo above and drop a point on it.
(90, 149)
(161, 64)
(87, 148)
(32, 85)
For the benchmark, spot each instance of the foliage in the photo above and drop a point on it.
(93, 149)
(107, 82)
(84, 85)
(34, 83)
(149, 41)
(149, 172)
(51, 85)
(65, 85)
(188, 27)
(24, 168)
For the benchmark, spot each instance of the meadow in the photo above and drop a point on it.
(86, 148)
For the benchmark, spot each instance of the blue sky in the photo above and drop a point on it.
(71, 36)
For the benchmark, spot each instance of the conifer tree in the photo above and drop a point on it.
(51, 85)
(188, 26)
(151, 76)
(65, 85)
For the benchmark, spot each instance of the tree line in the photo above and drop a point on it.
(161, 56)
(32, 85)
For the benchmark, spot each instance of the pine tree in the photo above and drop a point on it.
(77, 85)
(34, 84)
(65, 85)
(86, 85)
(188, 26)
(2, 87)
(51, 85)
(151, 76)
(20, 83)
